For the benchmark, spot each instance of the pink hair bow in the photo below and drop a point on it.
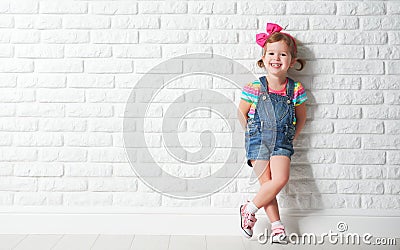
(261, 38)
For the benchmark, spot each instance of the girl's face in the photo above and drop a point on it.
(277, 59)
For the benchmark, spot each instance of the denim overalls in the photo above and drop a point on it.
(271, 131)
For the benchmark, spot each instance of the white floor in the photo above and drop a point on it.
(152, 242)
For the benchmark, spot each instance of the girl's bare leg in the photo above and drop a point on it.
(263, 171)
(280, 169)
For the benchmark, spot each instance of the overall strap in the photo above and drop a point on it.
(290, 88)
(264, 85)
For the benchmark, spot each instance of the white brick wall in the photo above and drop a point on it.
(67, 69)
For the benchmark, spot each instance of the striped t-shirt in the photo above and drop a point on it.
(251, 92)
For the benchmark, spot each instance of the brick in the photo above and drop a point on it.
(49, 7)
(203, 7)
(135, 22)
(323, 111)
(392, 127)
(314, 156)
(224, 8)
(137, 199)
(59, 66)
(229, 22)
(316, 37)
(108, 155)
(16, 66)
(88, 140)
(38, 140)
(173, 202)
(137, 51)
(112, 184)
(393, 8)
(335, 141)
(6, 139)
(300, 201)
(381, 23)
(114, 8)
(87, 51)
(8, 81)
(392, 98)
(359, 97)
(394, 37)
(88, 110)
(62, 125)
(114, 36)
(108, 66)
(37, 199)
(361, 67)
(48, 22)
(152, 67)
(6, 169)
(366, 157)
(60, 95)
(28, 7)
(17, 95)
(383, 112)
(213, 37)
(336, 82)
(18, 184)
(295, 26)
(311, 186)
(161, 37)
(320, 97)
(40, 110)
(393, 67)
(184, 22)
(383, 52)
(381, 82)
(87, 199)
(318, 126)
(308, 8)
(90, 81)
(360, 8)
(88, 170)
(380, 142)
(261, 8)
(360, 187)
(333, 23)
(374, 172)
(6, 22)
(86, 22)
(334, 51)
(39, 51)
(393, 157)
(335, 201)
(314, 68)
(380, 201)
(174, 7)
(358, 127)
(38, 169)
(63, 154)
(64, 36)
(393, 172)
(335, 171)
(105, 125)
(363, 38)
(7, 109)
(6, 51)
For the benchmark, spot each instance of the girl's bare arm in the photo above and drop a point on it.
(243, 109)
(301, 116)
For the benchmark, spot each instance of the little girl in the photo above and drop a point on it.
(273, 111)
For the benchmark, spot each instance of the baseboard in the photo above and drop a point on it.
(187, 221)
